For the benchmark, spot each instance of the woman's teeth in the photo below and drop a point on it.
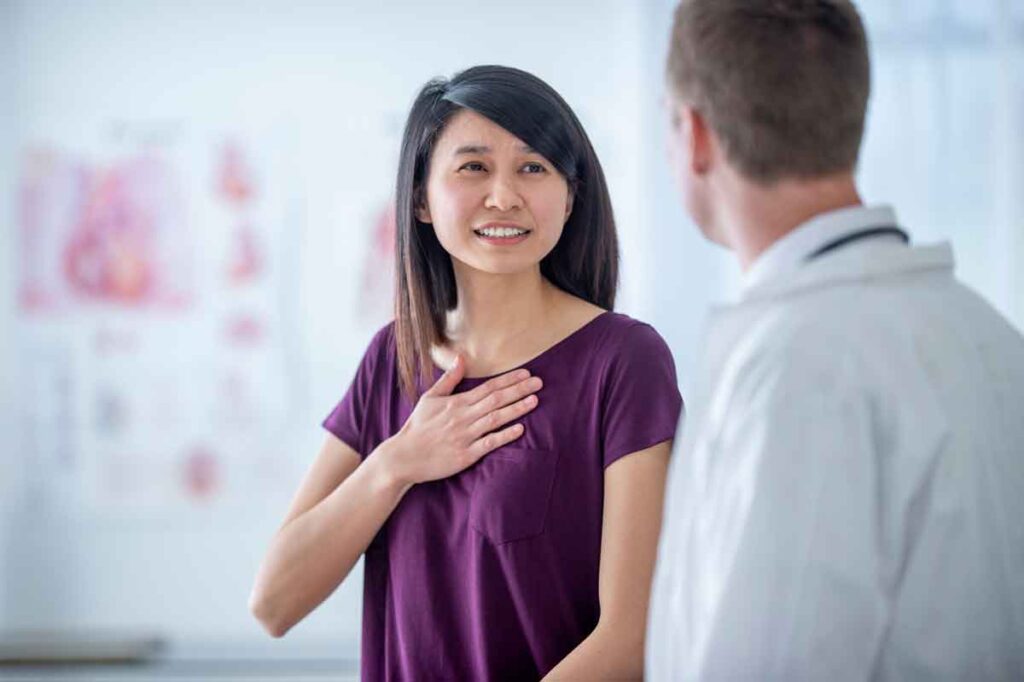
(500, 232)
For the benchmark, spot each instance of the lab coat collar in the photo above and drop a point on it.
(788, 253)
(868, 261)
(783, 269)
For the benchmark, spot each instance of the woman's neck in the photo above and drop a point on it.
(498, 317)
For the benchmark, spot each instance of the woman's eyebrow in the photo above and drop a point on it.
(472, 149)
(484, 149)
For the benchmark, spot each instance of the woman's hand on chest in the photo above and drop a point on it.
(447, 433)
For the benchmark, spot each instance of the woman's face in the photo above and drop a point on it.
(496, 205)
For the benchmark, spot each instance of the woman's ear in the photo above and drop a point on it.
(422, 209)
(423, 215)
(568, 205)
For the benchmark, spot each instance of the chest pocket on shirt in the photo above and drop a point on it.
(512, 494)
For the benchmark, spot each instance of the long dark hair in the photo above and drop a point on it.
(583, 263)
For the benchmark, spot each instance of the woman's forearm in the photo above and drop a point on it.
(445, 434)
(606, 654)
(312, 554)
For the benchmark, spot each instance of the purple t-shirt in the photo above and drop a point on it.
(492, 574)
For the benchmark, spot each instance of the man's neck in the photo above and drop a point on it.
(756, 216)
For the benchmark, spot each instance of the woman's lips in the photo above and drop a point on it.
(502, 236)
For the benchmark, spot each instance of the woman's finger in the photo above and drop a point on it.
(492, 385)
(498, 418)
(505, 396)
(493, 441)
(449, 380)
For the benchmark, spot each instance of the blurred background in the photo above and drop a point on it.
(195, 248)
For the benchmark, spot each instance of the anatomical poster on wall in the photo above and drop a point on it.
(154, 291)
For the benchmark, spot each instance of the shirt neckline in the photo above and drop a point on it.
(536, 358)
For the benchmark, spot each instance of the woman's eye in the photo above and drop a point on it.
(472, 166)
(533, 167)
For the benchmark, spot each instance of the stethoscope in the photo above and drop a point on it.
(847, 239)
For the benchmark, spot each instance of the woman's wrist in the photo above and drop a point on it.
(385, 463)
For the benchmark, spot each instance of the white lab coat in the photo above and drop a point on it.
(847, 499)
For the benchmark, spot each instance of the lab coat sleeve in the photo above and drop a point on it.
(793, 527)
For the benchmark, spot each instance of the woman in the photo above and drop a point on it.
(508, 507)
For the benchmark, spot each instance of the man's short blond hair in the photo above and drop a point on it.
(784, 84)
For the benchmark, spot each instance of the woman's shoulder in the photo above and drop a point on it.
(628, 333)
(627, 345)
(611, 333)
(385, 336)
(638, 363)
(381, 348)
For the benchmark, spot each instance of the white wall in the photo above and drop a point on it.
(945, 137)
(8, 142)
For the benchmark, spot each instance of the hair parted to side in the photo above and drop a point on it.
(784, 84)
(585, 260)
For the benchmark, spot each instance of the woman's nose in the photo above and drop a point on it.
(503, 195)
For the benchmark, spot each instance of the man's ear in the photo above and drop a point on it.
(697, 137)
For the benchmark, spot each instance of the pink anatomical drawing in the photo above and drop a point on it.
(235, 187)
(246, 257)
(154, 264)
(200, 473)
(235, 179)
(111, 234)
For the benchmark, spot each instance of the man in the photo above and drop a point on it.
(847, 501)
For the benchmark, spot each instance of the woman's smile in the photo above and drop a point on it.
(501, 234)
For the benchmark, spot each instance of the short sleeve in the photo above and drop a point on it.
(347, 419)
(642, 403)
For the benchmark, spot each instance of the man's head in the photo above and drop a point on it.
(776, 90)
